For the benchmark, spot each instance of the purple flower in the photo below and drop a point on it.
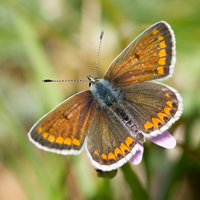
(164, 139)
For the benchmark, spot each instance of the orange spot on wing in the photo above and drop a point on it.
(76, 142)
(111, 156)
(96, 153)
(167, 95)
(124, 148)
(161, 61)
(45, 134)
(117, 151)
(51, 138)
(161, 115)
(129, 141)
(167, 110)
(104, 156)
(67, 141)
(156, 122)
(160, 37)
(155, 31)
(160, 70)
(169, 103)
(59, 140)
(148, 125)
(162, 44)
(39, 129)
(162, 53)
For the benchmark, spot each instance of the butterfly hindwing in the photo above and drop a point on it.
(63, 130)
(109, 142)
(150, 56)
(152, 106)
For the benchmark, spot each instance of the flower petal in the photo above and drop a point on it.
(137, 158)
(164, 139)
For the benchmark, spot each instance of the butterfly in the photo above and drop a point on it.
(113, 119)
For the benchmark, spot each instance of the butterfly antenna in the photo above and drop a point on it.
(101, 36)
(49, 80)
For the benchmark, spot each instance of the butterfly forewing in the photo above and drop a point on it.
(109, 142)
(63, 130)
(152, 106)
(150, 56)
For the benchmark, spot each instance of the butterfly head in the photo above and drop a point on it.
(92, 80)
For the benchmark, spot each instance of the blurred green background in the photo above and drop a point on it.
(58, 39)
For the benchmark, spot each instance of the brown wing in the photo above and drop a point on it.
(150, 56)
(152, 106)
(109, 143)
(63, 130)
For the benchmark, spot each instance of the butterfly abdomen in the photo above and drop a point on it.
(129, 123)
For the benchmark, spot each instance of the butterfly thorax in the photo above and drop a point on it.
(104, 92)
